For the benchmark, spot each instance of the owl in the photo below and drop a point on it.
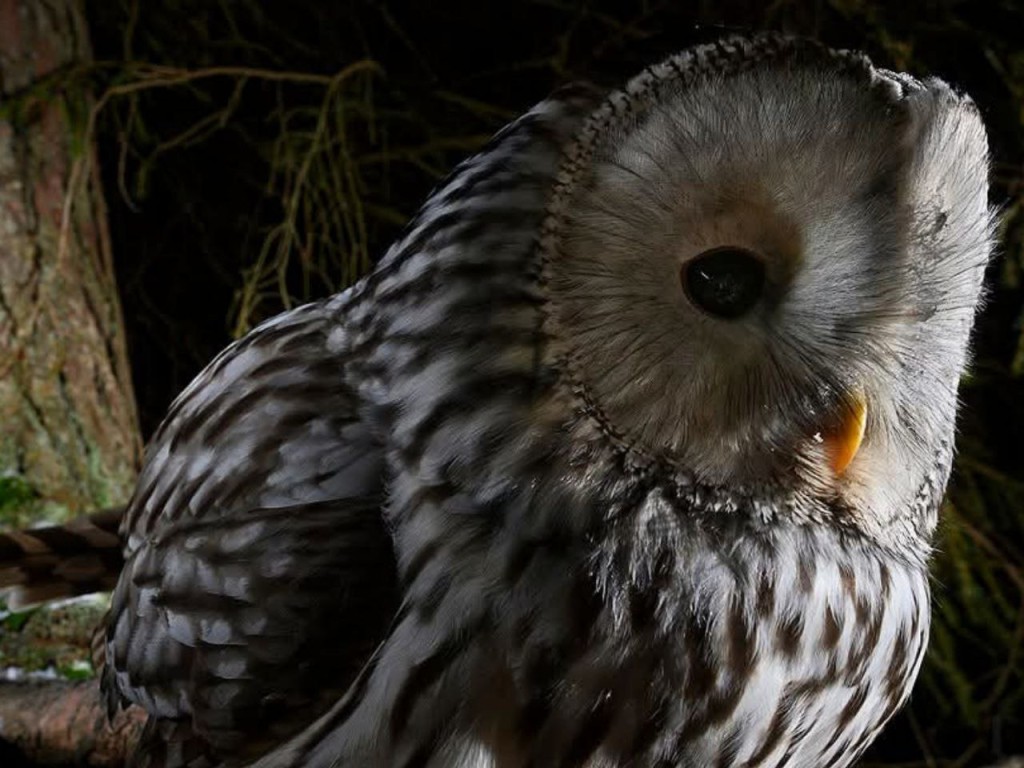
(629, 452)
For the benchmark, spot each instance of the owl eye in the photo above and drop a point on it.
(725, 282)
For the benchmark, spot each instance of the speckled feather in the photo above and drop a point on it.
(511, 501)
(575, 592)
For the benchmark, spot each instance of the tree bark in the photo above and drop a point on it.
(69, 439)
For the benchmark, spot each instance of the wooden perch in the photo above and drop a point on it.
(62, 723)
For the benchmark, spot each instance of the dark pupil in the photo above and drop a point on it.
(725, 282)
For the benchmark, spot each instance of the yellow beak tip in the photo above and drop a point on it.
(842, 444)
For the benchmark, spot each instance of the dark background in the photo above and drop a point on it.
(234, 195)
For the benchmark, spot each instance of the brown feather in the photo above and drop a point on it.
(78, 558)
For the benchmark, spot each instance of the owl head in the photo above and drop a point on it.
(763, 259)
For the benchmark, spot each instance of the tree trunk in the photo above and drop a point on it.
(69, 439)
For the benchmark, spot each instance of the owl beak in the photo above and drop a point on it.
(842, 442)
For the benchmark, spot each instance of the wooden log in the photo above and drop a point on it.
(62, 723)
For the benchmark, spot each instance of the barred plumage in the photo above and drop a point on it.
(527, 503)
(43, 564)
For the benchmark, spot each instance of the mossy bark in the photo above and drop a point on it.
(69, 439)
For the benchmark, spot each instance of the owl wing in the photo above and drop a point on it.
(258, 571)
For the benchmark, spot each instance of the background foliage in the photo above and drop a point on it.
(258, 153)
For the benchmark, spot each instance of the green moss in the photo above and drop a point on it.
(15, 492)
(57, 638)
(77, 670)
(19, 501)
(14, 621)
(106, 488)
